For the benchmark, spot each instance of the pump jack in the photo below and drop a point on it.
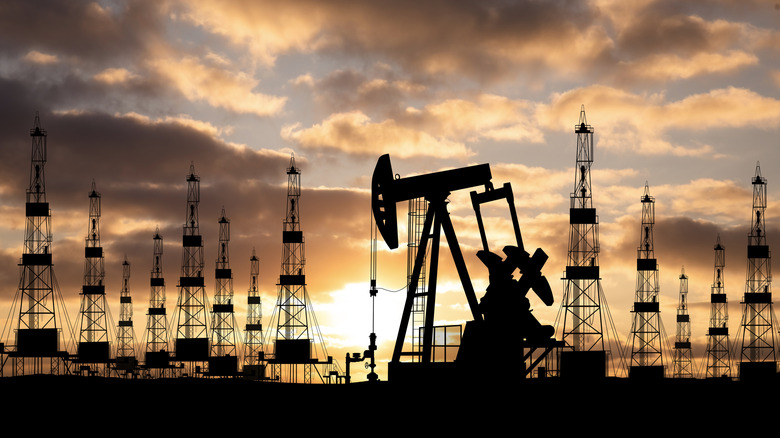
(503, 311)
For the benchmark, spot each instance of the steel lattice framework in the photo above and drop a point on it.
(682, 362)
(296, 333)
(37, 332)
(718, 347)
(94, 344)
(293, 320)
(157, 319)
(223, 335)
(418, 208)
(292, 316)
(646, 326)
(583, 323)
(125, 334)
(758, 335)
(253, 342)
(191, 332)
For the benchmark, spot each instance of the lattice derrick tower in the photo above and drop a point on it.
(37, 334)
(646, 326)
(253, 342)
(583, 320)
(157, 321)
(718, 347)
(418, 208)
(94, 345)
(191, 330)
(125, 334)
(223, 338)
(293, 320)
(156, 338)
(682, 362)
(758, 343)
(297, 337)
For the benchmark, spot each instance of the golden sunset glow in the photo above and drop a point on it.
(682, 96)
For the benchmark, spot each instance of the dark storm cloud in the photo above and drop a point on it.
(348, 89)
(669, 27)
(127, 154)
(479, 39)
(80, 29)
(139, 167)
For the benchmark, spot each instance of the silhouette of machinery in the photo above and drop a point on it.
(503, 326)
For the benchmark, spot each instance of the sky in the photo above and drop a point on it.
(682, 95)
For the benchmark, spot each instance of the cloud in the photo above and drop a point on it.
(83, 30)
(483, 40)
(496, 40)
(37, 57)
(641, 122)
(113, 76)
(379, 91)
(355, 133)
(220, 88)
(439, 129)
(664, 67)
(486, 117)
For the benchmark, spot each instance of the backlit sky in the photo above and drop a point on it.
(683, 96)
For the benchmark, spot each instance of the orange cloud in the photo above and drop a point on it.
(266, 28)
(488, 116)
(666, 66)
(114, 76)
(37, 57)
(354, 132)
(216, 86)
(640, 122)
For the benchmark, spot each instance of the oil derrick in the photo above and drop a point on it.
(223, 360)
(253, 338)
(646, 357)
(93, 346)
(125, 337)
(192, 342)
(757, 356)
(682, 366)
(293, 337)
(37, 348)
(584, 304)
(157, 358)
(718, 348)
